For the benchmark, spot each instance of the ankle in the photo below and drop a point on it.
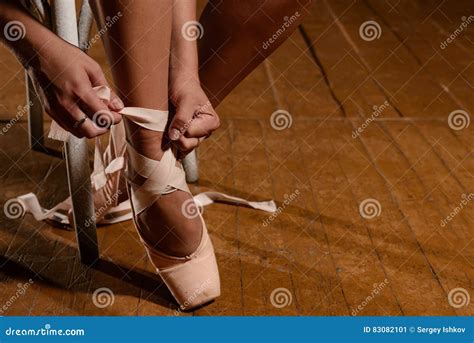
(146, 142)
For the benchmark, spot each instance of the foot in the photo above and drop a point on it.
(165, 221)
(171, 224)
(166, 224)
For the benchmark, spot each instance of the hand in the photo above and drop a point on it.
(194, 119)
(64, 77)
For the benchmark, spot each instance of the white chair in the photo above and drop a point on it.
(60, 16)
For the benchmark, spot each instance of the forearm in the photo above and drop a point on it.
(22, 33)
(185, 31)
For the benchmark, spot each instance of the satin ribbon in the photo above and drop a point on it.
(109, 164)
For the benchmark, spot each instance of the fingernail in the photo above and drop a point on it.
(174, 134)
(117, 104)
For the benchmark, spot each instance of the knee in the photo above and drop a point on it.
(238, 13)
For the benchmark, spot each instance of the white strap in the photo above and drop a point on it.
(110, 163)
(123, 212)
(207, 198)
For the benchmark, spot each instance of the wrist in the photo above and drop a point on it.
(182, 77)
(184, 62)
(182, 85)
(184, 65)
(39, 46)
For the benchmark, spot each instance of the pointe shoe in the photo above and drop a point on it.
(193, 280)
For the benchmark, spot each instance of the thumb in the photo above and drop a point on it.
(181, 121)
(115, 103)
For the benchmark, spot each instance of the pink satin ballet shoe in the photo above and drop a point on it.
(193, 280)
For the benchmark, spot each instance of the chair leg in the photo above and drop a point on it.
(78, 172)
(190, 164)
(84, 26)
(77, 159)
(35, 117)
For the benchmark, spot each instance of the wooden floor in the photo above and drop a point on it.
(323, 254)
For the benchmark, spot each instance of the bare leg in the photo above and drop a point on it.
(139, 55)
(138, 48)
(236, 46)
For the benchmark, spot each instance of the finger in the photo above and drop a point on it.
(68, 127)
(97, 78)
(202, 125)
(59, 116)
(60, 111)
(87, 128)
(181, 121)
(96, 75)
(115, 103)
(186, 144)
(97, 110)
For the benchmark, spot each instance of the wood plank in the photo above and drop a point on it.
(449, 248)
(451, 67)
(302, 88)
(350, 244)
(450, 148)
(358, 90)
(29, 245)
(319, 248)
(12, 89)
(260, 272)
(300, 235)
(216, 171)
(419, 220)
(410, 88)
